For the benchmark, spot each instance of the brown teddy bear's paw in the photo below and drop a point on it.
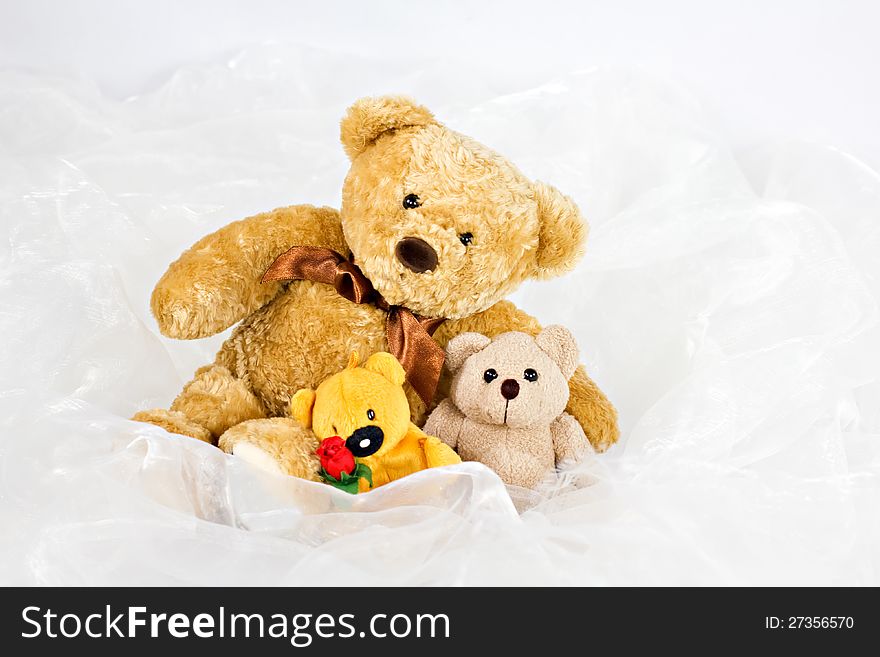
(173, 422)
(217, 400)
(279, 445)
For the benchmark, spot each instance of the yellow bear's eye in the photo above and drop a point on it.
(371, 415)
(466, 238)
(411, 201)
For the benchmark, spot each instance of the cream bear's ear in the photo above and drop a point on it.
(370, 117)
(462, 347)
(386, 365)
(563, 232)
(301, 405)
(558, 342)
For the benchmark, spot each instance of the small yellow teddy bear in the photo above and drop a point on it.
(368, 408)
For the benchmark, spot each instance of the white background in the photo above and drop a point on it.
(783, 69)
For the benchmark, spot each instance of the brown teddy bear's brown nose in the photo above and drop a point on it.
(509, 389)
(416, 255)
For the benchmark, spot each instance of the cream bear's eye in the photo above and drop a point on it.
(371, 414)
(530, 375)
(411, 201)
(490, 375)
(466, 238)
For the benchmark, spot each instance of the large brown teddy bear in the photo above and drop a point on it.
(440, 225)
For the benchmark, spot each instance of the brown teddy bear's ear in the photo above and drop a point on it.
(386, 365)
(563, 232)
(301, 405)
(370, 117)
(558, 342)
(462, 347)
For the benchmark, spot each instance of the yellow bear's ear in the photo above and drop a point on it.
(563, 232)
(369, 118)
(386, 365)
(301, 405)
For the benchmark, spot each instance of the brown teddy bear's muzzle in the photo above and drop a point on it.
(416, 255)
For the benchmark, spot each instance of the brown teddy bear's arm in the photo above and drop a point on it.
(589, 405)
(500, 318)
(569, 441)
(445, 423)
(592, 410)
(216, 282)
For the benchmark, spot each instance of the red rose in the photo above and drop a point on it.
(335, 457)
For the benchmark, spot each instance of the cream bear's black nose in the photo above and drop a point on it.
(416, 255)
(509, 389)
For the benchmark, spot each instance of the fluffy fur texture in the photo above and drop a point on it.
(277, 444)
(506, 404)
(462, 188)
(371, 398)
(296, 335)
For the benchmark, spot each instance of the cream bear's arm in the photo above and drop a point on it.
(569, 441)
(586, 402)
(216, 282)
(445, 422)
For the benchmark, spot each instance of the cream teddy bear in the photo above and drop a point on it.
(506, 406)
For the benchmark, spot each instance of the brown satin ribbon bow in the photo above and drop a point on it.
(409, 335)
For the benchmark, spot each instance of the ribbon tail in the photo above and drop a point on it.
(282, 268)
(422, 358)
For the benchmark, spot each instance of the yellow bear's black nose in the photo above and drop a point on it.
(416, 254)
(365, 441)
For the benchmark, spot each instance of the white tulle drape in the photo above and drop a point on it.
(727, 305)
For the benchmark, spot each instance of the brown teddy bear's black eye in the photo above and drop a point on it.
(490, 375)
(466, 238)
(371, 414)
(530, 375)
(411, 201)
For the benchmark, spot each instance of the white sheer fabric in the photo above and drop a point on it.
(728, 306)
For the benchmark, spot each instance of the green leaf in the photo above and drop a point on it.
(350, 483)
(345, 478)
(363, 470)
(326, 476)
(350, 487)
